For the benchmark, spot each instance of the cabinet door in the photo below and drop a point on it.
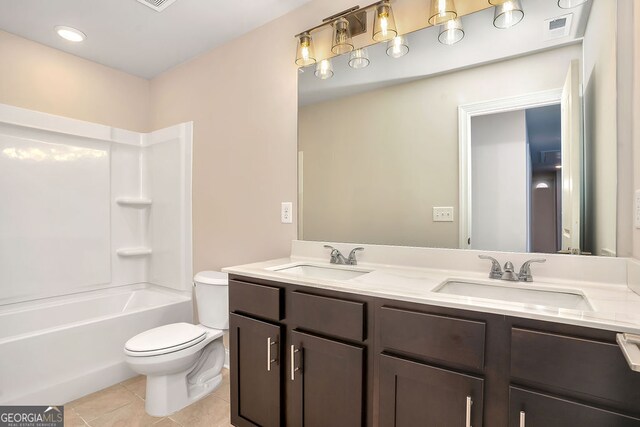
(328, 382)
(255, 372)
(530, 409)
(413, 394)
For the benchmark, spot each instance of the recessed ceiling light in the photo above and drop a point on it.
(69, 33)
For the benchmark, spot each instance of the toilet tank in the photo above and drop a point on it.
(212, 298)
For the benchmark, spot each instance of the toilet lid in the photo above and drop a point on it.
(166, 339)
(212, 278)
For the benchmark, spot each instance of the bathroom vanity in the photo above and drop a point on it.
(313, 351)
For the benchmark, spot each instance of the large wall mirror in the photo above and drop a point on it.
(505, 140)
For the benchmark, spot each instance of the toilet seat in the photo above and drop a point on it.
(164, 339)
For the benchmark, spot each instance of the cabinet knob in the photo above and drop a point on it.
(293, 362)
(271, 343)
(468, 413)
(522, 415)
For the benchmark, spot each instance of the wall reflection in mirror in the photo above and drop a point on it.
(476, 137)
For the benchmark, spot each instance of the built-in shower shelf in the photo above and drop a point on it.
(136, 202)
(130, 252)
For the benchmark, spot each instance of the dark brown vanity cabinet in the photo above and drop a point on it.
(328, 382)
(297, 358)
(532, 409)
(416, 394)
(306, 357)
(571, 377)
(430, 369)
(255, 366)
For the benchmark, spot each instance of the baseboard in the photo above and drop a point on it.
(77, 387)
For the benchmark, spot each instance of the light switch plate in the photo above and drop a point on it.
(286, 213)
(636, 209)
(443, 214)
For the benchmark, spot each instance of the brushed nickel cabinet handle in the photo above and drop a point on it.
(468, 414)
(522, 415)
(270, 361)
(293, 362)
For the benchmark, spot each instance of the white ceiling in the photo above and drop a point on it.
(129, 36)
(483, 43)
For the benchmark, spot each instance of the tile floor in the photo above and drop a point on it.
(123, 405)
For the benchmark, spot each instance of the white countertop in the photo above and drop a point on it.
(616, 307)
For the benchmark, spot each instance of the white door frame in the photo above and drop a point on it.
(465, 113)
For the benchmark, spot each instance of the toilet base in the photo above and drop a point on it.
(167, 394)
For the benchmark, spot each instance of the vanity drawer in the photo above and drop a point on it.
(583, 368)
(332, 316)
(259, 300)
(447, 340)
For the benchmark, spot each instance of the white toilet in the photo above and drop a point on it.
(183, 362)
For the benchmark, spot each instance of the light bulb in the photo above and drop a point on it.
(508, 14)
(397, 47)
(384, 25)
(304, 54)
(324, 69)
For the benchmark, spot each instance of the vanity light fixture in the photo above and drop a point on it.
(397, 47)
(508, 14)
(342, 42)
(305, 54)
(359, 58)
(324, 69)
(442, 11)
(568, 4)
(384, 25)
(451, 32)
(70, 34)
(497, 2)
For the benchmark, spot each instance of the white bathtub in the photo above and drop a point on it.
(56, 350)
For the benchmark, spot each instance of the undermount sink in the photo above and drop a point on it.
(514, 293)
(320, 272)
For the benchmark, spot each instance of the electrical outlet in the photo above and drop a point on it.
(443, 214)
(636, 209)
(286, 213)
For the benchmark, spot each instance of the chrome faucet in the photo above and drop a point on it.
(509, 273)
(338, 258)
(525, 270)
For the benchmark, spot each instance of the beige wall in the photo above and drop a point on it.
(376, 163)
(242, 98)
(40, 78)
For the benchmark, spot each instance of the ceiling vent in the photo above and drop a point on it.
(550, 156)
(157, 5)
(559, 27)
